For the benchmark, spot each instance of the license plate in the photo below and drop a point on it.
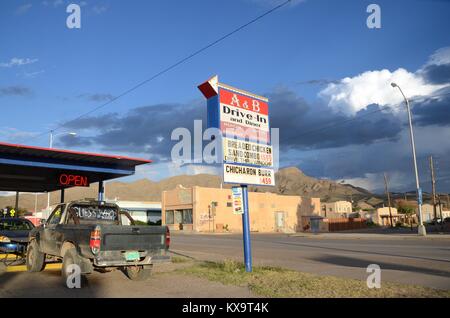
(132, 256)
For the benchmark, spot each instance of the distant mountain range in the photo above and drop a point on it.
(289, 181)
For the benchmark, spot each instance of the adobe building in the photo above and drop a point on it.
(428, 212)
(336, 209)
(383, 217)
(202, 209)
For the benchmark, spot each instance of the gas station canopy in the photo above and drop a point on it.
(35, 169)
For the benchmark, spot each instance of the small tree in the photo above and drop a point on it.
(408, 211)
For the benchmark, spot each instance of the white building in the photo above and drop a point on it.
(144, 211)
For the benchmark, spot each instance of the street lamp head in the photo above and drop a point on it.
(393, 84)
(73, 133)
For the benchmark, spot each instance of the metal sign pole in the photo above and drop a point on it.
(246, 231)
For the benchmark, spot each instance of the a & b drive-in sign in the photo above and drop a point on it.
(243, 119)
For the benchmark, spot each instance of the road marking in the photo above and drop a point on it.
(23, 268)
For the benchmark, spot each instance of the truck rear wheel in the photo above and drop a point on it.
(138, 273)
(35, 258)
(71, 258)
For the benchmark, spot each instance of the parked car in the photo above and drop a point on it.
(433, 222)
(14, 234)
(97, 236)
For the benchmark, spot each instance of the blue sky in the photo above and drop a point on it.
(50, 74)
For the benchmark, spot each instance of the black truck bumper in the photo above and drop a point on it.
(117, 259)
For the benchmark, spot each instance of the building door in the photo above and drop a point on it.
(315, 225)
(279, 221)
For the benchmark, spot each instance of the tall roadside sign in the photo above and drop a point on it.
(247, 153)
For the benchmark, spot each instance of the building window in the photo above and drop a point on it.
(229, 205)
(169, 217)
(187, 216)
(178, 216)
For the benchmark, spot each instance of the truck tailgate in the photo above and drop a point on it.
(138, 238)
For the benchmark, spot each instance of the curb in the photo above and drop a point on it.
(374, 236)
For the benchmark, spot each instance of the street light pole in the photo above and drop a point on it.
(421, 228)
(51, 146)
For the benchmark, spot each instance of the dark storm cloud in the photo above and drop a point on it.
(314, 126)
(433, 110)
(437, 74)
(75, 141)
(142, 130)
(302, 126)
(15, 91)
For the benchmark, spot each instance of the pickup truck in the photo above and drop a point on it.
(96, 235)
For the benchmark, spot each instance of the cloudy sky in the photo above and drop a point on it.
(326, 74)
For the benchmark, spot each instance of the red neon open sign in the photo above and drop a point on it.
(73, 180)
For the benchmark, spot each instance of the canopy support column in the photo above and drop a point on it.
(16, 206)
(101, 190)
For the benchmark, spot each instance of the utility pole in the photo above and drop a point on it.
(440, 212)
(433, 189)
(389, 198)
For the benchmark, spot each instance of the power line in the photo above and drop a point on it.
(172, 66)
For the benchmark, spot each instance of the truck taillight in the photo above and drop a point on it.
(95, 240)
(167, 237)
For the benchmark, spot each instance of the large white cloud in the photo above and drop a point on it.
(352, 94)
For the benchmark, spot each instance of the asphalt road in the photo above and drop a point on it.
(418, 261)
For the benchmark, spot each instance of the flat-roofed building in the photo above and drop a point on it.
(428, 212)
(337, 209)
(383, 217)
(202, 209)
